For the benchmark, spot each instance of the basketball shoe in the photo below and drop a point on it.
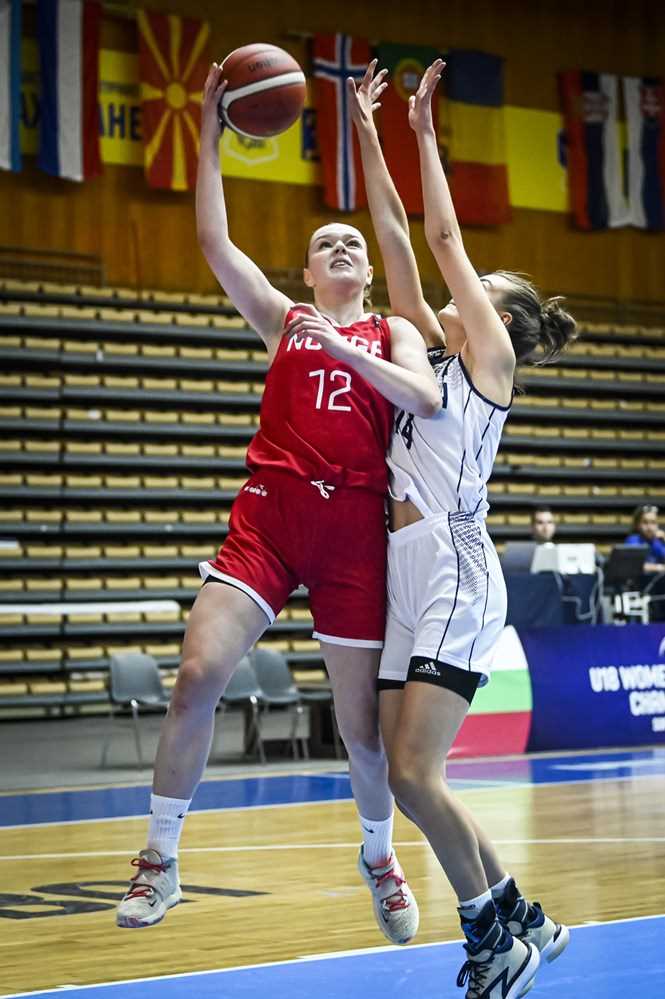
(498, 966)
(395, 907)
(154, 888)
(529, 923)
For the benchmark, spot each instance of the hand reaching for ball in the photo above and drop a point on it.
(213, 88)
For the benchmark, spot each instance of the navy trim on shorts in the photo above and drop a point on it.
(385, 684)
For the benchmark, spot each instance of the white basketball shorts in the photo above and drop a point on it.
(446, 596)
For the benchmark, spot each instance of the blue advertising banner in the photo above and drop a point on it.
(596, 686)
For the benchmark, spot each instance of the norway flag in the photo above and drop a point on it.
(337, 57)
(68, 35)
(644, 98)
(595, 169)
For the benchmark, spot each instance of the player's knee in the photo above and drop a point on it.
(364, 747)
(408, 780)
(193, 692)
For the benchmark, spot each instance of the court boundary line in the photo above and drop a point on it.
(327, 956)
(498, 786)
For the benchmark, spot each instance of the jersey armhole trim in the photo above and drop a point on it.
(490, 402)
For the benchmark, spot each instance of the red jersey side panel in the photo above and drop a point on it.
(322, 420)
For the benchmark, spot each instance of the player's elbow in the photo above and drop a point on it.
(443, 236)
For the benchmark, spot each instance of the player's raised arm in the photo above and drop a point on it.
(262, 305)
(488, 342)
(387, 212)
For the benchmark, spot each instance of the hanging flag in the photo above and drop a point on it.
(174, 59)
(10, 84)
(336, 57)
(406, 65)
(644, 100)
(595, 171)
(474, 137)
(68, 34)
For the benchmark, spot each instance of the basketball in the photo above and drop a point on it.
(265, 93)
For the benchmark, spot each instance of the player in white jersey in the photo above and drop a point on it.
(446, 593)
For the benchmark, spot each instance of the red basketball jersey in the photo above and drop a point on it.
(319, 418)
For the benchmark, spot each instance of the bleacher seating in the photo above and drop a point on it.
(124, 420)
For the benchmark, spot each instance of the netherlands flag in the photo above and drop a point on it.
(337, 57)
(10, 84)
(68, 34)
(644, 98)
(595, 169)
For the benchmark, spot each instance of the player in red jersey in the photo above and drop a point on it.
(312, 513)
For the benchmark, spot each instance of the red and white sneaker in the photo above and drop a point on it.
(153, 890)
(395, 907)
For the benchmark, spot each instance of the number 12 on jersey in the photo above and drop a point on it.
(335, 394)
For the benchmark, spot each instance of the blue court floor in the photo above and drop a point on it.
(622, 960)
(299, 789)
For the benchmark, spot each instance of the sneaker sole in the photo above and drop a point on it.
(556, 945)
(526, 976)
(135, 923)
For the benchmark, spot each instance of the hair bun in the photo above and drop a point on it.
(559, 329)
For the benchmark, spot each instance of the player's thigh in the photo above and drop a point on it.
(223, 625)
(352, 671)
(430, 717)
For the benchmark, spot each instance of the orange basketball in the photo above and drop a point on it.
(265, 93)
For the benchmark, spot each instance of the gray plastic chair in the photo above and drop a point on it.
(279, 690)
(134, 682)
(243, 688)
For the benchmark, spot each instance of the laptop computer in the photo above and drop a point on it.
(518, 555)
(625, 564)
(568, 560)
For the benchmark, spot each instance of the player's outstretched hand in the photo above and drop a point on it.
(213, 89)
(308, 322)
(364, 97)
(420, 105)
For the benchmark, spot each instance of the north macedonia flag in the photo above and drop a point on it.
(173, 64)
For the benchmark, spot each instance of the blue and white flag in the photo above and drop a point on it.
(68, 35)
(10, 84)
(644, 99)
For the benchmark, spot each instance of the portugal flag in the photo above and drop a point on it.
(406, 65)
(173, 64)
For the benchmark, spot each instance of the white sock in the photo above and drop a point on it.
(377, 841)
(499, 888)
(167, 816)
(474, 906)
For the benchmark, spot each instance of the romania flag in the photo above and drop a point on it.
(473, 134)
(173, 64)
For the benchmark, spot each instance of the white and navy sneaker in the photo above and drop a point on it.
(153, 890)
(498, 966)
(530, 924)
(395, 907)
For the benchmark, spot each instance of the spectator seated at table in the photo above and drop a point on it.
(646, 531)
(543, 525)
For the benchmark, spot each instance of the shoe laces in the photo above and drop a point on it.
(140, 889)
(397, 900)
(476, 974)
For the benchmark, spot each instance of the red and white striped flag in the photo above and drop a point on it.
(337, 57)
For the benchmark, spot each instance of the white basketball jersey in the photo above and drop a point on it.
(443, 464)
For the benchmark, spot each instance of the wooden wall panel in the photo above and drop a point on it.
(148, 238)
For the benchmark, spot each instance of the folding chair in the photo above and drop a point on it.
(134, 681)
(279, 690)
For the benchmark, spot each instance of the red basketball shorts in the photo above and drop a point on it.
(286, 531)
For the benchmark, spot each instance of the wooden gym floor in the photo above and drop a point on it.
(268, 871)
